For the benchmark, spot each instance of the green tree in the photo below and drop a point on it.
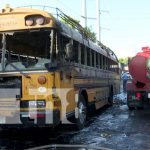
(70, 21)
(90, 34)
(123, 60)
(73, 23)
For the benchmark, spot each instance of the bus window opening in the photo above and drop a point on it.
(25, 50)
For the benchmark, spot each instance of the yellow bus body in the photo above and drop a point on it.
(93, 83)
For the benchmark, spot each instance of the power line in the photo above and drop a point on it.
(71, 10)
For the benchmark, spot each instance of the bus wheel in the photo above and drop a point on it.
(110, 98)
(82, 113)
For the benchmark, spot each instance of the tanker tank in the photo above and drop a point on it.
(139, 67)
(138, 90)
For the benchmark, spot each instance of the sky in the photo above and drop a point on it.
(125, 24)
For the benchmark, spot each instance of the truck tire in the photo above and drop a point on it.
(82, 113)
(131, 108)
(140, 107)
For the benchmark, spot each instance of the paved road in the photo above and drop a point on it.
(118, 128)
(115, 127)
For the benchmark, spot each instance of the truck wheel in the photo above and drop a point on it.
(131, 108)
(82, 113)
(128, 104)
(140, 107)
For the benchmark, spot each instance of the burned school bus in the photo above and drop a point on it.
(49, 71)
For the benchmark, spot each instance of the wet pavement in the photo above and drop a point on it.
(112, 127)
(118, 128)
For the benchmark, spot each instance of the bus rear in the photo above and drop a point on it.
(27, 88)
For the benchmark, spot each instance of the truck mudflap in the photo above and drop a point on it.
(135, 99)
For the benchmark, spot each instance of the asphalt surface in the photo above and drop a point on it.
(112, 127)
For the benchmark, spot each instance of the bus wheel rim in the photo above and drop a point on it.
(82, 112)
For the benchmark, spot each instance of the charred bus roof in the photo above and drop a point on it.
(22, 18)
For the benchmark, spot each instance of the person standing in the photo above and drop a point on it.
(125, 78)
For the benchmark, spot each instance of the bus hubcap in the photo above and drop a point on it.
(82, 112)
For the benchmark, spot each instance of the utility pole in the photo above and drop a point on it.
(84, 17)
(84, 14)
(98, 20)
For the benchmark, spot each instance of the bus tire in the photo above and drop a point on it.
(82, 113)
(110, 98)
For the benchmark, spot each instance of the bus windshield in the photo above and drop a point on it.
(24, 50)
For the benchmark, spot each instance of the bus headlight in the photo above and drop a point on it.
(29, 21)
(40, 20)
